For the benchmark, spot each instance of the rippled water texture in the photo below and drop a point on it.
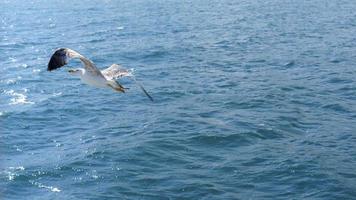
(253, 100)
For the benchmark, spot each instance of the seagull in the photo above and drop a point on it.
(91, 75)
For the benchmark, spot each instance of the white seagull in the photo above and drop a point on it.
(91, 75)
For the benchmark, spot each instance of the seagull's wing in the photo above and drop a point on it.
(115, 71)
(61, 57)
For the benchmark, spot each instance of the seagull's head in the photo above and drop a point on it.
(75, 72)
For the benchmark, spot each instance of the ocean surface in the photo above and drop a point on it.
(253, 100)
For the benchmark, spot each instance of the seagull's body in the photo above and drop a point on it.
(91, 75)
(88, 78)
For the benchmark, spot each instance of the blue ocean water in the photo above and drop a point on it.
(253, 100)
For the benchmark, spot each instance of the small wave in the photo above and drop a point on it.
(21, 168)
(24, 65)
(40, 185)
(56, 94)
(11, 81)
(221, 140)
(289, 64)
(18, 98)
(36, 70)
(13, 172)
(12, 59)
(336, 107)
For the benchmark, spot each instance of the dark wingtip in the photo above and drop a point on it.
(55, 62)
(58, 59)
(52, 64)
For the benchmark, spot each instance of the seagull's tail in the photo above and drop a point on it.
(129, 73)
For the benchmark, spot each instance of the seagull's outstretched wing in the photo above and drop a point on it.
(61, 57)
(115, 71)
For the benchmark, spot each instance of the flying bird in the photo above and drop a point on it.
(91, 75)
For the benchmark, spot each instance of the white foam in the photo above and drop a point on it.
(11, 176)
(40, 185)
(18, 98)
(21, 168)
(11, 173)
(11, 80)
(12, 59)
(54, 189)
(93, 174)
(57, 94)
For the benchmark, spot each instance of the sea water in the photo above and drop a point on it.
(253, 100)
